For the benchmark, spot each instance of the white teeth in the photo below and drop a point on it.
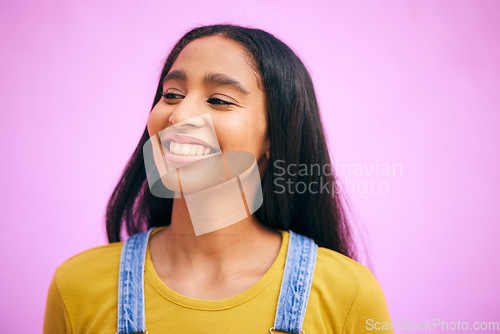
(188, 149)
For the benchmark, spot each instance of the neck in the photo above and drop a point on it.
(228, 249)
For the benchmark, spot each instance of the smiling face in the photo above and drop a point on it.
(212, 75)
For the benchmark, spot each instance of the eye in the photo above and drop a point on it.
(217, 101)
(172, 96)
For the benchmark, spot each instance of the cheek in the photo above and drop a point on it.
(157, 120)
(240, 133)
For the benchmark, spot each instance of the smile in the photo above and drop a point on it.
(184, 149)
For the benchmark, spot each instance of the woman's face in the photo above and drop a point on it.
(212, 75)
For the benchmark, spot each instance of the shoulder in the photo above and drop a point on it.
(97, 258)
(348, 292)
(84, 290)
(336, 267)
(93, 269)
(337, 275)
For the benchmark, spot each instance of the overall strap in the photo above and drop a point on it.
(131, 313)
(296, 284)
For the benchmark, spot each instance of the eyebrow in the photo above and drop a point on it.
(210, 78)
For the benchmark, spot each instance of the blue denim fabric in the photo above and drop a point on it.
(292, 300)
(296, 284)
(131, 312)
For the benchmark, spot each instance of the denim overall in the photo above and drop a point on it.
(292, 301)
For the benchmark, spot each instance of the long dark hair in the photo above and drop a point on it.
(296, 137)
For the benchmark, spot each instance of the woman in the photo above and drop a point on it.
(237, 276)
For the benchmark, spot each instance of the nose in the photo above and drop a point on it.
(186, 114)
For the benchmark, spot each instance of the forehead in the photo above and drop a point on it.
(215, 54)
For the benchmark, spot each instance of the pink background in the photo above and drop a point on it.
(409, 83)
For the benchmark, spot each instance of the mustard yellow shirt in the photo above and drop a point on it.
(82, 298)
